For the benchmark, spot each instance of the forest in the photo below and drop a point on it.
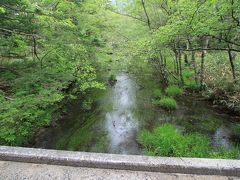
(153, 77)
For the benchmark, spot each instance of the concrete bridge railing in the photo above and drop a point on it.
(122, 162)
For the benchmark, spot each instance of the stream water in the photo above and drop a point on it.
(122, 111)
(121, 124)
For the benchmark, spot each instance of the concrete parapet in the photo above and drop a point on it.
(122, 162)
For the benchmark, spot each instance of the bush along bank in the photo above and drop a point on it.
(33, 99)
(48, 56)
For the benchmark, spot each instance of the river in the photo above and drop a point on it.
(122, 111)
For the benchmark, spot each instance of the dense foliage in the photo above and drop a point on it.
(47, 56)
(192, 43)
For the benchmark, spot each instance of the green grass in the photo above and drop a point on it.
(225, 154)
(191, 84)
(157, 93)
(167, 141)
(167, 103)
(173, 90)
(189, 80)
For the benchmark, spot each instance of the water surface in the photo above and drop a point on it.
(122, 111)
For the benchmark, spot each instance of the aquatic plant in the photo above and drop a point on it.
(173, 90)
(112, 79)
(223, 153)
(157, 93)
(199, 124)
(166, 140)
(166, 102)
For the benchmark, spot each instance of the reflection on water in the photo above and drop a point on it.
(221, 137)
(121, 124)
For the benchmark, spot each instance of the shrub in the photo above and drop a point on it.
(36, 97)
(174, 90)
(167, 103)
(157, 93)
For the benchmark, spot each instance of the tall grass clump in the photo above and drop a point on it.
(173, 90)
(222, 153)
(189, 80)
(167, 141)
(166, 102)
(157, 93)
(191, 84)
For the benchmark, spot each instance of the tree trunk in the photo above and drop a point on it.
(202, 70)
(194, 67)
(146, 14)
(180, 66)
(186, 55)
(176, 58)
(186, 59)
(35, 51)
(231, 59)
(204, 47)
(176, 62)
(193, 61)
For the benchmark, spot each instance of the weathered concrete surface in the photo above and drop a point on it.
(122, 162)
(24, 171)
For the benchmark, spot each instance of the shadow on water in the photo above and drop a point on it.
(121, 111)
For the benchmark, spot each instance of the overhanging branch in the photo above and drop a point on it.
(128, 15)
(17, 32)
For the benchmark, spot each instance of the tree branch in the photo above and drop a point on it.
(228, 41)
(17, 32)
(145, 11)
(210, 49)
(128, 15)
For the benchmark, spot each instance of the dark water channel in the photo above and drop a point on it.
(121, 111)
